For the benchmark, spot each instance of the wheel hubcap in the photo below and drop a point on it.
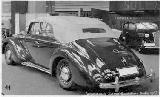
(65, 73)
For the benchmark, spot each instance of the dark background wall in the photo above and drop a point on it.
(133, 11)
(134, 5)
(17, 7)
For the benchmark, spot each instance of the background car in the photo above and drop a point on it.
(78, 50)
(143, 36)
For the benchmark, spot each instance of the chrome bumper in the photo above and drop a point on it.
(152, 47)
(117, 84)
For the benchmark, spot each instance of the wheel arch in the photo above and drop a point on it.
(80, 77)
(55, 62)
(58, 55)
(7, 41)
(15, 45)
(4, 46)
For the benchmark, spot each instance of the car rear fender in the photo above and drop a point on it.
(80, 74)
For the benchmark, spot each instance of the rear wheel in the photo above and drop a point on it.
(64, 75)
(9, 55)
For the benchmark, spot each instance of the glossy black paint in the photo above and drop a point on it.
(82, 53)
(102, 48)
(134, 36)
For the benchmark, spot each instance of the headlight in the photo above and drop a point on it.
(141, 60)
(107, 74)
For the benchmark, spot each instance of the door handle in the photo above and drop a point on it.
(38, 44)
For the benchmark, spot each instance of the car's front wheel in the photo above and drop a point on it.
(9, 55)
(64, 75)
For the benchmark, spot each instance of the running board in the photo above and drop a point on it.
(29, 64)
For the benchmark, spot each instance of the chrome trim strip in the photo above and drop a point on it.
(29, 64)
(45, 40)
(154, 47)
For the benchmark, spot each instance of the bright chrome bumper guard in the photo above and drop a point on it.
(116, 85)
(154, 47)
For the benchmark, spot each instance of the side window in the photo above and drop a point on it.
(43, 26)
(34, 28)
(46, 29)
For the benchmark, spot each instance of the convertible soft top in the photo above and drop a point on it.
(71, 20)
(69, 28)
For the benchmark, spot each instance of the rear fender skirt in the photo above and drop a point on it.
(80, 77)
(79, 71)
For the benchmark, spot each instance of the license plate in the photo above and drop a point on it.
(149, 44)
(128, 71)
(146, 35)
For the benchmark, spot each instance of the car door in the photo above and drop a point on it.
(41, 43)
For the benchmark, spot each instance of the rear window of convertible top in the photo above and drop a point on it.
(94, 30)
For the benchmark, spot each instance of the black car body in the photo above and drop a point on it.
(79, 50)
(143, 36)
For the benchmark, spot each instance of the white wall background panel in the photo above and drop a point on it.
(76, 5)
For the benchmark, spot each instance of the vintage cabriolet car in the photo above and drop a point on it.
(78, 50)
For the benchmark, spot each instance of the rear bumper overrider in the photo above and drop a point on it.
(118, 84)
